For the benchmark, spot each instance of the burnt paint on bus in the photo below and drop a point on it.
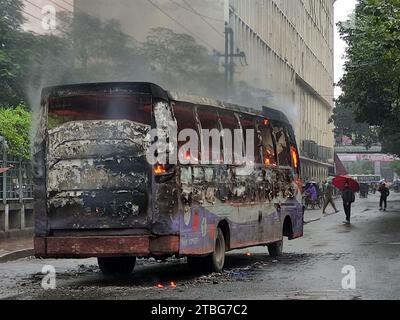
(91, 179)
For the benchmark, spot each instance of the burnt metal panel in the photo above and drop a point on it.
(105, 246)
(97, 175)
(97, 246)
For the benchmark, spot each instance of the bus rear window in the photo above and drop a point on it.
(100, 107)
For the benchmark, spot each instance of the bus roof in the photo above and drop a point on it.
(267, 112)
(157, 92)
(104, 87)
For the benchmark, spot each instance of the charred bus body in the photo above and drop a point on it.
(96, 195)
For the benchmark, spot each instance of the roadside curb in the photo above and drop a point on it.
(15, 255)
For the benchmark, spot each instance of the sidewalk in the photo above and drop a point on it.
(316, 215)
(17, 248)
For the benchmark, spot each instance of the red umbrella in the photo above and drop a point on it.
(340, 181)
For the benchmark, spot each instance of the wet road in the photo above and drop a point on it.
(310, 269)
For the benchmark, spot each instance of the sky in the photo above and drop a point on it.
(343, 8)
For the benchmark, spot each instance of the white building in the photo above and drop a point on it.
(289, 46)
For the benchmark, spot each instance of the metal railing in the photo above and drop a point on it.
(16, 184)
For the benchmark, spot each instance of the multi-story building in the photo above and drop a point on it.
(290, 51)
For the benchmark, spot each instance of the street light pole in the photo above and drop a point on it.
(3, 144)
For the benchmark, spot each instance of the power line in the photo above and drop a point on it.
(31, 15)
(34, 4)
(70, 4)
(59, 5)
(202, 18)
(180, 24)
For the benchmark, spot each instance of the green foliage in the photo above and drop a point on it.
(360, 167)
(14, 128)
(180, 61)
(371, 83)
(346, 125)
(10, 70)
(96, 45)
(395, 165)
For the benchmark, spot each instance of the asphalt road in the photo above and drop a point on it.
(311, 268)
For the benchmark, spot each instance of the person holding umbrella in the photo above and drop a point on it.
(348, 197)
(348, 186)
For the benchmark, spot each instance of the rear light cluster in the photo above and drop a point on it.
(163, 172)
(160, 169)
(295, 157)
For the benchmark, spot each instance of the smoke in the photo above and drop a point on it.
(108, 41)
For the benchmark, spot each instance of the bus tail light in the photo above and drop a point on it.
(295, 157)
(163, 172)
(160, 169)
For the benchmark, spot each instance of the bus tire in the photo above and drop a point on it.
(117, 265)
(214, 262)
(275, 249)
(217, 258)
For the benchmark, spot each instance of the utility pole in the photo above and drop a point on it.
(229, 57)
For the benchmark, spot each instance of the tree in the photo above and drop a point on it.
(346, 125)
(371, 83)
(99, 50)
(396, 166)
(10, 71)
(360, 167)
(14, 128)
(182, 63)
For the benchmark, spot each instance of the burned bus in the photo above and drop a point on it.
(97, 194)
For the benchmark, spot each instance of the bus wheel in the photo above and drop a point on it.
(117, 265)
(217, 258)
(214, 262)
(275, 249)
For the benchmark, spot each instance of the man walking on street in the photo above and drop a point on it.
(384, 195)
(348, 197)
(328, 192)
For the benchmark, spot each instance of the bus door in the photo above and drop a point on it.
(271, 187)
(251, 215)
(196, 186)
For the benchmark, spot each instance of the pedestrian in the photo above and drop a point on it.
(324, 184)
(329, 197)
(348, 197)
(311, 194)
(384, 190)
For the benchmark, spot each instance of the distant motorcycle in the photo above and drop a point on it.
(310, 204)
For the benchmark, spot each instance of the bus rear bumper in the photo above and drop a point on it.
(105, 246)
